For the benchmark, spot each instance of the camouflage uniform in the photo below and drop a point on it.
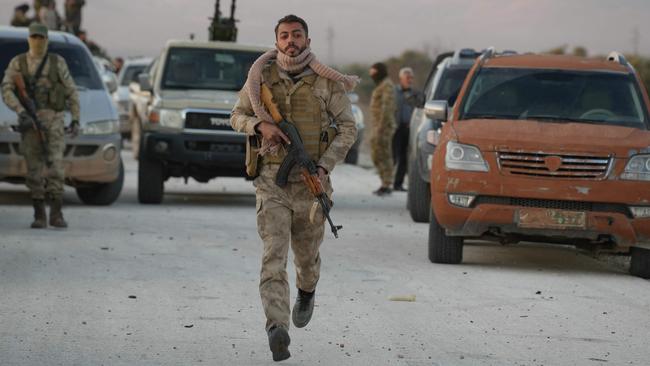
(51, 120)
(283, 213)
(382, 108)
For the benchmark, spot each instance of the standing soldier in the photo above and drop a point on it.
(73, 15)
(382, 108)
(50, 87)
(20, 18)
(311, 96)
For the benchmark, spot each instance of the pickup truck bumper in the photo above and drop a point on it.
(201, 156)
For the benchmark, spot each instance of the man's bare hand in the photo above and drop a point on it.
(271, 132)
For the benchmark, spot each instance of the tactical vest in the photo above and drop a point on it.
(49, 91)
(303, 106)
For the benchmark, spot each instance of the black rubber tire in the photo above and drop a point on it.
(102, 194)
(353, 156)
(442, 248)
(151, 182)
(640, 262)
(418, 195)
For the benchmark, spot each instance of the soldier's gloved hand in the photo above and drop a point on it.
(73, 130)
(25, 122)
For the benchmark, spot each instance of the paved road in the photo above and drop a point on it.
(176, 284)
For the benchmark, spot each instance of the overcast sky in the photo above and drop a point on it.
(370, 30)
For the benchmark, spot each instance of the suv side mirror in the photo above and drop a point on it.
(145, 82)
(110, 80)
(436, 109)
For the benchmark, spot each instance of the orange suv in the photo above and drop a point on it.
(543, 148)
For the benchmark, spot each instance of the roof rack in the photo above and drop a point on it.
(615, 56)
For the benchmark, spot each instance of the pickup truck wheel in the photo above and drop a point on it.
(640, 262)
(418, 195)
(150, 181)
(102, 194)
(443, 248)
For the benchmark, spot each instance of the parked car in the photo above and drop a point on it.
(444, 82)
(187, 132)
(92, 160)
(353, 154)
(129, 73)
(543, 148)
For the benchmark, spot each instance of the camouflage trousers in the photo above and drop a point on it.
(283, 221)
(42, 180)
(381, 152)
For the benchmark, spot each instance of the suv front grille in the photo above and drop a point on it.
(538, 164)
(208, 121)
(554, 204)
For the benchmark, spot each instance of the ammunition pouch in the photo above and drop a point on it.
(52, 97)
(253, 144)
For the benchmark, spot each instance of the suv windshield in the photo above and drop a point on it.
(449, 85)
(201, 68)
(131, 74)
(81, 66)
(555, 95)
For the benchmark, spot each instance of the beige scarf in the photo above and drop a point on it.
(291, 65)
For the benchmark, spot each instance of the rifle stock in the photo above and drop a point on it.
(296, 154)
(30, 108)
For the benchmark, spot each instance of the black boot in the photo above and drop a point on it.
(40, 216)
(279, 343)
(303, 308)
(56, 215)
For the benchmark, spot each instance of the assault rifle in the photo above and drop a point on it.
(296, 154)
(30, 108)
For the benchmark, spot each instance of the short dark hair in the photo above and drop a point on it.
(292, 19)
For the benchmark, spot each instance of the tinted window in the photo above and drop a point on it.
(556, 95)
(449, 85)
(199, 68)
(131, 74)
(81, 66)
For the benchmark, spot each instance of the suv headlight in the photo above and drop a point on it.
(100, 128)
(638, 168)
(464, 157)
(171, 118)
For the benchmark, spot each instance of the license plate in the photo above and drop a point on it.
(539, 218)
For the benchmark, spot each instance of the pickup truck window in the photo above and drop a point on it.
(555, 96)
(81, 66)
(201, 68)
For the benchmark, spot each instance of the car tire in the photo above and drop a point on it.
(102, 194)
(418, 195)
(151, 182)
(353, 156)
(640, 262)
(442, 248)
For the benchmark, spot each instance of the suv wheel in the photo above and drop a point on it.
(443, 248)
(102, 194)
(150, 180)
(418, 195)
(640, 262)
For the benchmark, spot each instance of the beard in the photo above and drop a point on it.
(294, 48)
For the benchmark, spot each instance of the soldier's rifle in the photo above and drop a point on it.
(296, 155)
(30, 108)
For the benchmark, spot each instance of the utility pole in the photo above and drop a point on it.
(330, 45)
(636, 38)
